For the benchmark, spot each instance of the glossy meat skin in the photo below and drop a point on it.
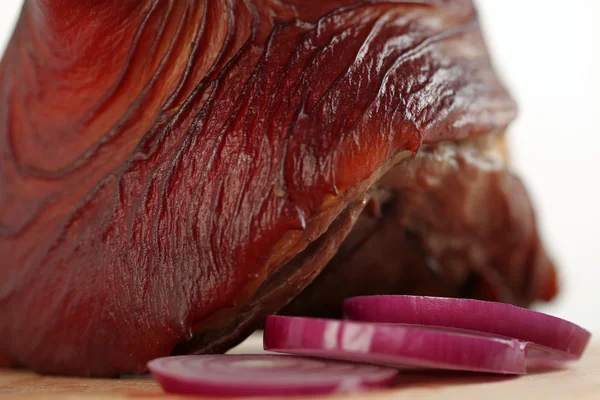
(162, 160)
(454, 221)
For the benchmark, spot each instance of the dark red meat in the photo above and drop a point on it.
(171, 171)
(454, 221)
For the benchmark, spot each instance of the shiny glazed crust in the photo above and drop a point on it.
(161, 160)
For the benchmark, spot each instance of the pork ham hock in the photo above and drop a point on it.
(172, 171)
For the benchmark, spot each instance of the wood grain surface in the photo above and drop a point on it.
(579, 380)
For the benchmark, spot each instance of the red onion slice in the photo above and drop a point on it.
(264, 375)
(556, 339)
(398, 346)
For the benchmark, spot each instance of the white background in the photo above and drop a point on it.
(548, 53)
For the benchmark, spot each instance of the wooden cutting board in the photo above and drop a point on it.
(580, 380)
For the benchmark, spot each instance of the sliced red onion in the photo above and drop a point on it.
(555, 339)
(400, 346)
(264, 375)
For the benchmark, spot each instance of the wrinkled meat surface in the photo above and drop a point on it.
(171, 171)
(454, 222)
